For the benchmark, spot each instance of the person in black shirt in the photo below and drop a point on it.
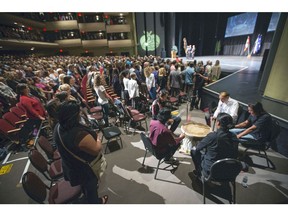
(256, 127)
(215, 146)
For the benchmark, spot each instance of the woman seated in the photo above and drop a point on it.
(215, 146)
(257, 127)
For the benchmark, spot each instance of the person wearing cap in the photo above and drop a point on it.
(216, 145)
(164, 141)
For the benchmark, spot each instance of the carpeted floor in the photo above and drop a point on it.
(126, 181)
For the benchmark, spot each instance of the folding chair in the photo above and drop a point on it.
(110, 133)
(224, 170)
(60, 193)
(45, 145)
(149, 148)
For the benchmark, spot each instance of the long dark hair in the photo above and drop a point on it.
(257, 108)
(226, 121)
(68, 114)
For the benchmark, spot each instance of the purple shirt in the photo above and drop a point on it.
(161, 136)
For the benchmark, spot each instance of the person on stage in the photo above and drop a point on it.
(185, 45)
(193, 51)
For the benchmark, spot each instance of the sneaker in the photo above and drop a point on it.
(171, 161)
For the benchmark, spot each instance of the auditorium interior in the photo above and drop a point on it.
(256, 74)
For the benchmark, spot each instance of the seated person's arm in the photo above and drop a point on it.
(247, 131)
(242, 124)
(208, 140)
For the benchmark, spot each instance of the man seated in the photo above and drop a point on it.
(257, 127)
(163, 140)
(226, 105)
(159, 104)
(215, 146)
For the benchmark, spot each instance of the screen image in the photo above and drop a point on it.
(273, 22)
(241, 24)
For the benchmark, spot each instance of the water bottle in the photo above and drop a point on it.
(244, 181)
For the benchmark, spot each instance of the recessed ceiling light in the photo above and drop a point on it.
(121, 14)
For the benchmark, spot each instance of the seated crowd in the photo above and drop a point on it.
(51, 88)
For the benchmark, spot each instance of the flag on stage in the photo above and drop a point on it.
(247, 44)
(257, 46)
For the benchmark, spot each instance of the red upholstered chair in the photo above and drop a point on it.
(13, 119)
(19, 112)
(53, 172)
(138, 119)
(46, 146)
(60, 193)
(9, 131)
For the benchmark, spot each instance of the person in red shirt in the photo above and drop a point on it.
(34, 110)
(163, 140)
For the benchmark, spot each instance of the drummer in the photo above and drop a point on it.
(219, 145)
(159, 104)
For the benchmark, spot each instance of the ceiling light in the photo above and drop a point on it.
(121, 14)
(32, 48)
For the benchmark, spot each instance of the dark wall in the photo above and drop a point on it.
(148, 24)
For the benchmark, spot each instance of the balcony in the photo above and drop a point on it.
(118, 28)
(69, 42)
(120, 43)
(62, 25)
(88, 27)
(95, 43)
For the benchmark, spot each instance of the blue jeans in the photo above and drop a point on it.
(105, 108)
(244, 138)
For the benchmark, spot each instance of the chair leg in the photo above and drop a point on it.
(144, 157)
(106, 146)
(203, 192)
(234, 193)
(268, 165)
(157, 169)
(120, 141)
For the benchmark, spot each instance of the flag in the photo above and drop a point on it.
(257, 45)
(247, 44)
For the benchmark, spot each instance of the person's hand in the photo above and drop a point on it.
(42, 118)
(238, 136)
(182, 135)
(170, 121)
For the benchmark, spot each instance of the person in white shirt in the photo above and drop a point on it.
(103, 98)
(226, 105)
(150, 82)
(133, 90)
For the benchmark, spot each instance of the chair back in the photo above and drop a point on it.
(224, 170)
(34, 187)
(148, 144)
(17, 111)
(5, 126)
(38, 161)
(275, 130)
(11, 118)
(46, 147)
